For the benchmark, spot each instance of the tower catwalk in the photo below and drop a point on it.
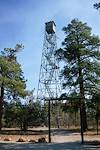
(49, 84)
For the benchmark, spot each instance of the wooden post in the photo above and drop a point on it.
(49, 123)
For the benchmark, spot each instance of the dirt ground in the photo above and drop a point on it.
(61, 139)
(57, 135)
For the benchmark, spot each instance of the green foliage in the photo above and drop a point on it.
(37, 114)
(94, 107)
(11, 76)
(12, 81)
(24, 115)
(11, 112)
(97, 6)
(96, 101)
(72, 104)
(81, 56)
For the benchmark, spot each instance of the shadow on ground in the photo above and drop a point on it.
(39, 132)
(51, 146)
(19, 132)
(64, 132)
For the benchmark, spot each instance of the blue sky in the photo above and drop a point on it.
(22, 21)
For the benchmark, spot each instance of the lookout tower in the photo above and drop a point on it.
(49, 85)
(50, 27)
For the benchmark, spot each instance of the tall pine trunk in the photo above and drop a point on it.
(83, 107)
(82, 100)
(83, 115)
(83, 119)
(1, 105)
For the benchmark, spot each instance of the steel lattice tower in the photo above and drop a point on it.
(49, 83)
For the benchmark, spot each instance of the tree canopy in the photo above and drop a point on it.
(97, 6)
(81, 56)
(12, 82)
(80, 71)
(11, 76)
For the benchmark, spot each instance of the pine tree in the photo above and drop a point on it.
(80, 54)
(12, 82)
